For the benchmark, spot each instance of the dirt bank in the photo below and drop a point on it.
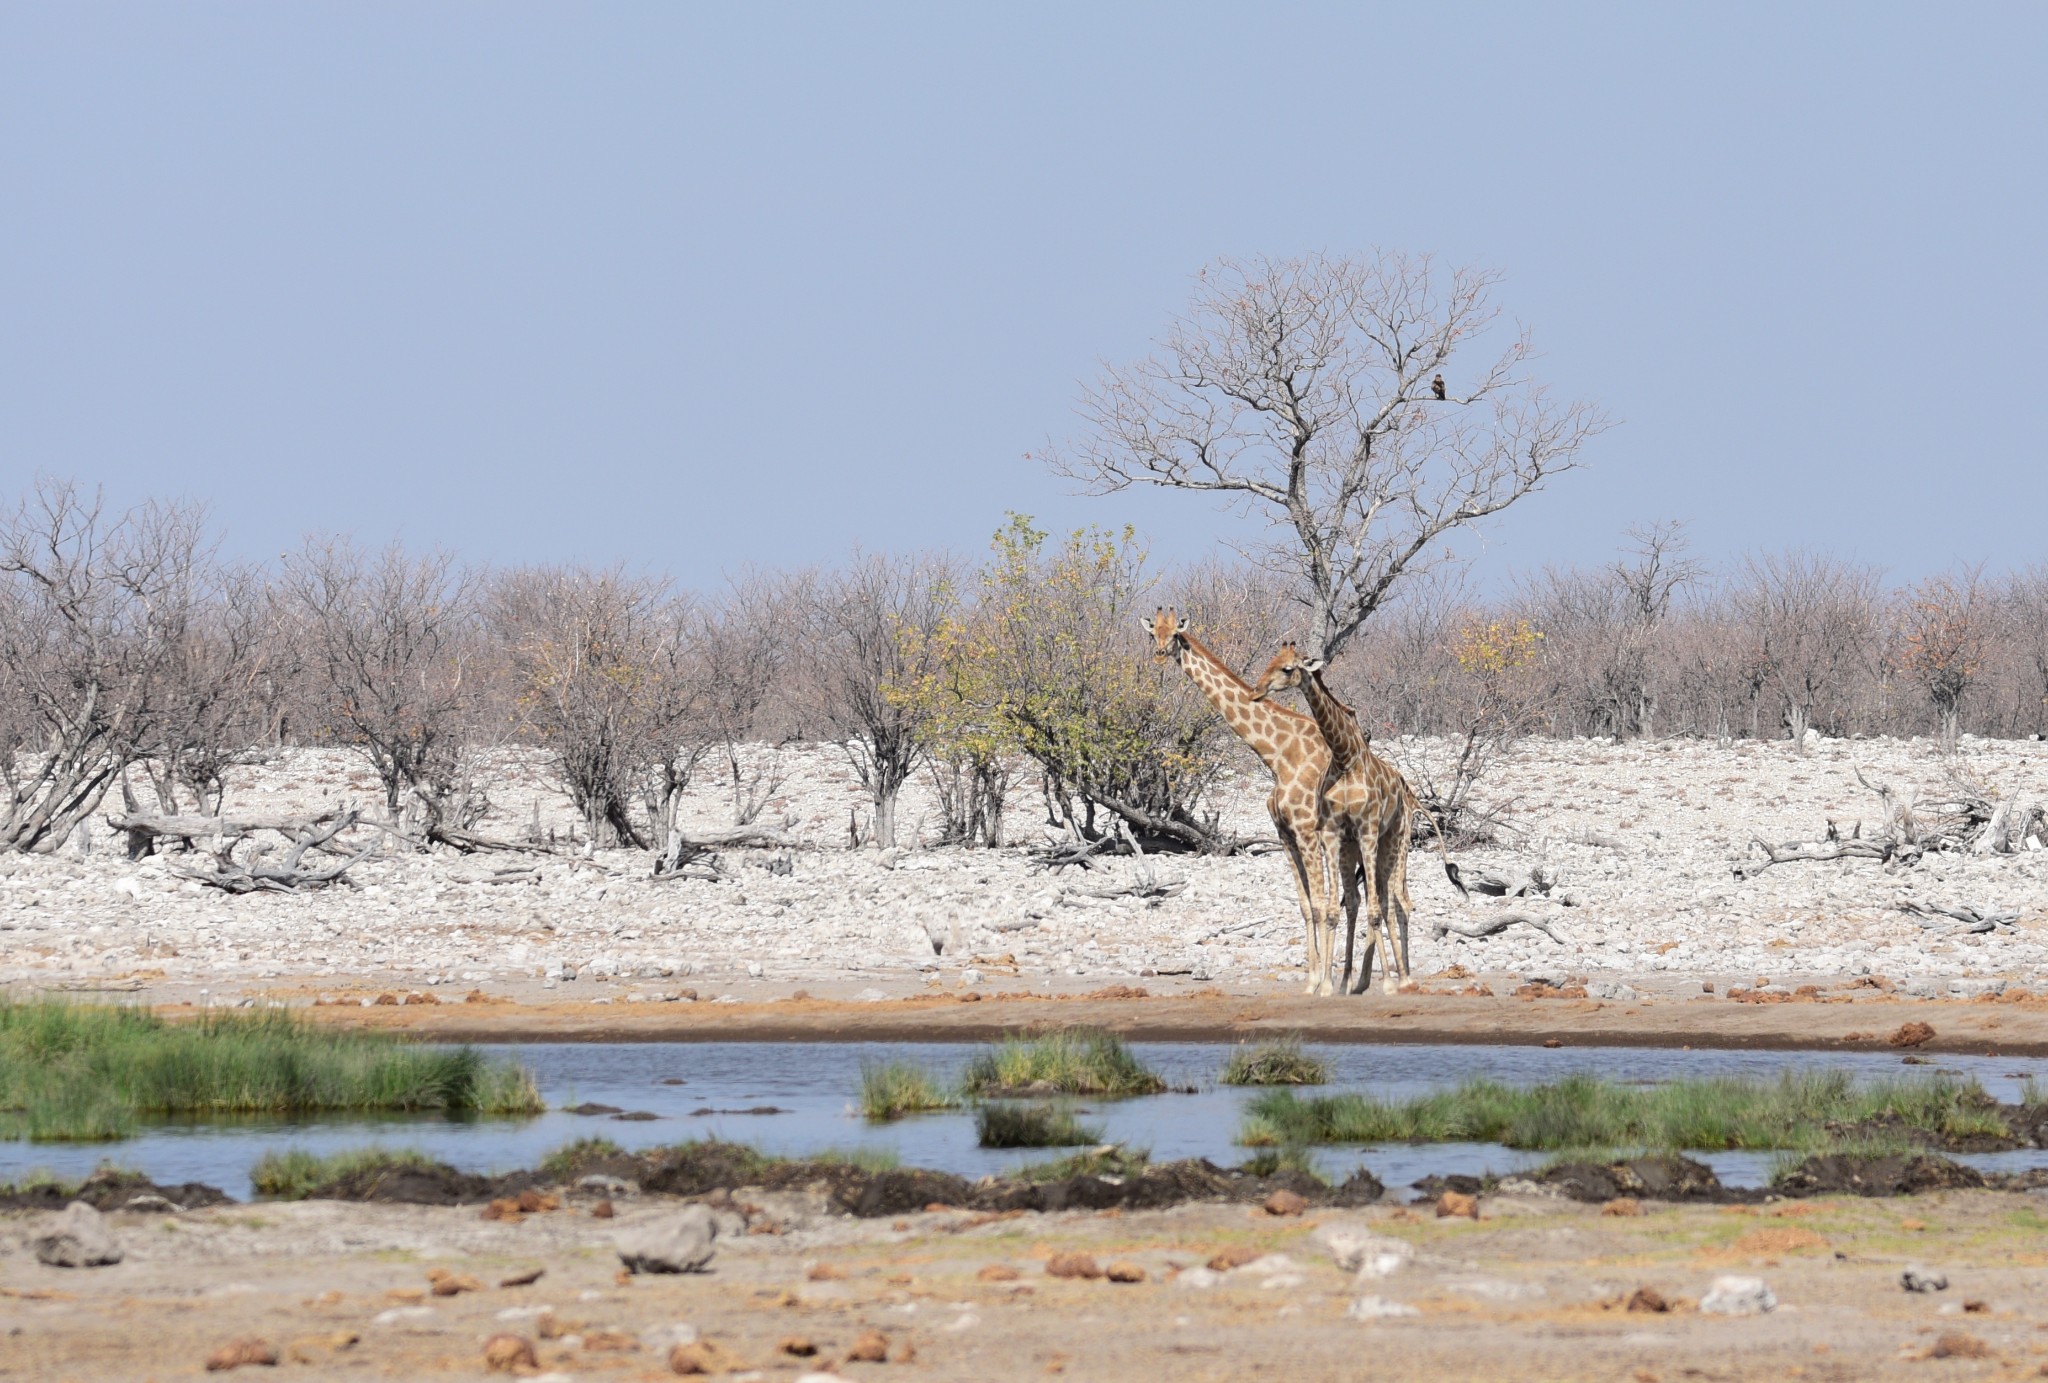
(1859, 1020)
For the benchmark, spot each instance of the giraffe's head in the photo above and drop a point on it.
(1169, 633)
(1287, 671)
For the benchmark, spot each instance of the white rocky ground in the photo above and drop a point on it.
(1658, 908)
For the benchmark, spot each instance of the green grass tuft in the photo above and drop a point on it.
(92, 1072)
(1032, 1126)
(1794, 1112)
(569, 1159)
(867, 1159)
(295, 1174)
(1291, 1157)
(1113, 1161)
(1071, 1061)
(892, 1089)
(1279, 1061)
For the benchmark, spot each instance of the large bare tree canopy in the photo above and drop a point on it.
(1304, 390)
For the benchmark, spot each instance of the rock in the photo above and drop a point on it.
(79, 1239)
(1371, 1308)
(609, 1188)
(1123, 1270)
(1365, 1253)
(664, 1338)
(679, 1242)
(1454, 1203)
(1072, 1265)
(509, 1354)
(152, 1205)
(1954, 1344)
(872, 1347)
(1236, 1256)
(1285, 1202)
(1918, 1279)
(797, 1346)
(1647, 1299)
(240, 1352)
(1738, 1296)
(1622, 1206)
(1915, 1034)
(447, 1284)
(1198, 1278)
(702, 1356)
(321, 1349)
(403, 1315)
(524, 1278)
(602, 1211)
(998, 1272)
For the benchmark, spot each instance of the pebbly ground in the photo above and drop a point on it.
(1534, 1288)
(1641, 837)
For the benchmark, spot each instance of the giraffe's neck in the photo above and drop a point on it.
(1252, 722)
(1339, 726)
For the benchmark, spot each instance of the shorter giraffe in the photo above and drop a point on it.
(1366, 809)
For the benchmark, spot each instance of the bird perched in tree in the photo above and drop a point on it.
(1436, 386)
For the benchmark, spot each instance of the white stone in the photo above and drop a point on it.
(1372, 1308)
(1738, 1296)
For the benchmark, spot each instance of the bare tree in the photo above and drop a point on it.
(743, 647)
(89, 605)
(1602, 631)
(1301, 389)
(877, 635)
(210, 712)
(1815, 623)
(1943, 625)
(593, 660)
(393, 643)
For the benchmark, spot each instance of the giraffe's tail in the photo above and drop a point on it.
(1436, 829)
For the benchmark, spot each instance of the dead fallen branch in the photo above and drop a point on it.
(1795, 852)
(696, 857)
(254, 874)
(1492, 926)
(1973, 919)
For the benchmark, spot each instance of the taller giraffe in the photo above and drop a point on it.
(1291, 747)
(1368, 805)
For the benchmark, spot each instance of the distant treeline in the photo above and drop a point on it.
(137, 666)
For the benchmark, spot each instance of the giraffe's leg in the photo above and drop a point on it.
(1392, 869)
(1298, 855)
(1398, 886)
(1347, 870)
(1329, 851)
(1375, 906)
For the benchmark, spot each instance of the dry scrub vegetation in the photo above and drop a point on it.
(139, 674)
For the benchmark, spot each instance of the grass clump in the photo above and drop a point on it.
(1290, 1157)
(1032, 1126)
(1807, 1110)
(1278, 1061)
(867, 1159)
(1113, 1161)
(1070, 1061)
(296, 1174)
(91, 1072)
(571, 1158)
(892, 1089)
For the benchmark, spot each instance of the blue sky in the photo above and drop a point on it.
(693, 287)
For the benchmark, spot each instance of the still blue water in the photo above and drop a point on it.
(815, 1085)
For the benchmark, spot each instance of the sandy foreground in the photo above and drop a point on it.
(1536, 1288)
(1641, 838)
